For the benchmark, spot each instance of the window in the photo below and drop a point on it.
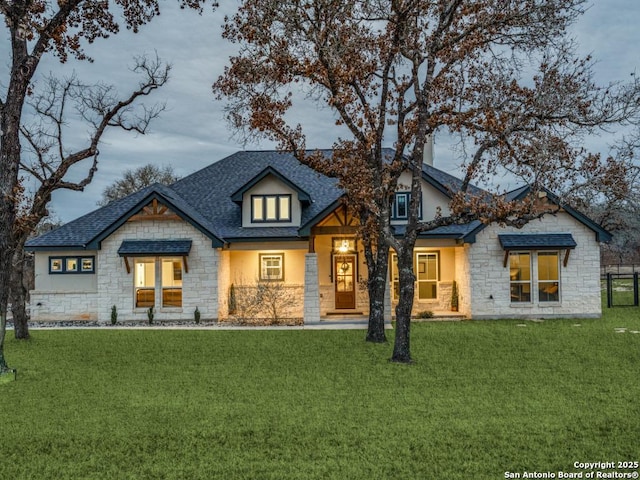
(548, 277)
(71, 265)
(87, 265)
(400, 206)
(427, 275)
(271, 208)
(272, 266)
(520, 276)
(147, 282)
(55, 265)
(171, 282)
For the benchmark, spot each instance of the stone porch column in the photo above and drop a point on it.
(387, 302)
(311, 289)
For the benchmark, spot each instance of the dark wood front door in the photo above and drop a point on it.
(345, 276)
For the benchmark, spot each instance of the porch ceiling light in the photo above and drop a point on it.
(344, 246)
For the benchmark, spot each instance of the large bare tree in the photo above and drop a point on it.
(37, 28)
(134, 180)
(398, 71)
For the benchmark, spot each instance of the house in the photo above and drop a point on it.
(262, 218)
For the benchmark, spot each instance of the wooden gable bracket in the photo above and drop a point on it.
(154, 211)
(126, 262)
(506, 259)
(566, 258)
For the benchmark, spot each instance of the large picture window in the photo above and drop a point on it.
(270, 208)
(548, 277)
(520, 276)
(272, 267)
(152, 274)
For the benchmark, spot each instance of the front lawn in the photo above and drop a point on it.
(482, 399)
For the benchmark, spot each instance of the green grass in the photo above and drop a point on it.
(481, 399)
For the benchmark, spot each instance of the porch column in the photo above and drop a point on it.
(387, 302)
(311, 289)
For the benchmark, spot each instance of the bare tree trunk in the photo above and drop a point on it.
(9, 159)
(406, 277)
(18, 295)
(377, 264)
(3, 330)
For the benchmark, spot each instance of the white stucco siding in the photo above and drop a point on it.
(579, 280)
(199, 284)
(432, 199)
(463, 277)
(64, 282)
(63, 296)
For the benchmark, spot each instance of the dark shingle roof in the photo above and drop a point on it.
(154, 247)
(536, 241)
(81, 231)
(204, 198)
(210, 189)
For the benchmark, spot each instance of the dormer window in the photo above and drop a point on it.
(400, 206)
(270, 208)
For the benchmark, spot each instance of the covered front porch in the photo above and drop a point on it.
(336, 275)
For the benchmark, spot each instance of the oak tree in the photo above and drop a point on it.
(501, 74)
(37, 28)
(134, 180)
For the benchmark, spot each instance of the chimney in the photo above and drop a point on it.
(427, 155)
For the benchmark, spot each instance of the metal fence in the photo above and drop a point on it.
(619, 268)
(622, 289)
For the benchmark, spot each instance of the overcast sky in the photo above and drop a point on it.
(192, 133)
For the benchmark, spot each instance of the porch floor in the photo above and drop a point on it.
(361, 319)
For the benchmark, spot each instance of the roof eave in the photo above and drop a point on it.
(303, 196)
(95, 243)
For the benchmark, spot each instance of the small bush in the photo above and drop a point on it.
(196, 315)
(114, 315)
(425, 314)
(150, 315)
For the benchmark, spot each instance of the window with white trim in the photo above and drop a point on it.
(158, 274)
(520, 276)
(548, 276)
(272, 266)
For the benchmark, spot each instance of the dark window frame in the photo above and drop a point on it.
(64, 259)
(262, 278)
(278, 218)
(407, 197)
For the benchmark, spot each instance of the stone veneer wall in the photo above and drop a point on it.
(311, 299)
(62, 306)
(579, 280)
(200, 284)
(224, 283)
(463, 278)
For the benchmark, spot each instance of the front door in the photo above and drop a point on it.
(345, 275)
